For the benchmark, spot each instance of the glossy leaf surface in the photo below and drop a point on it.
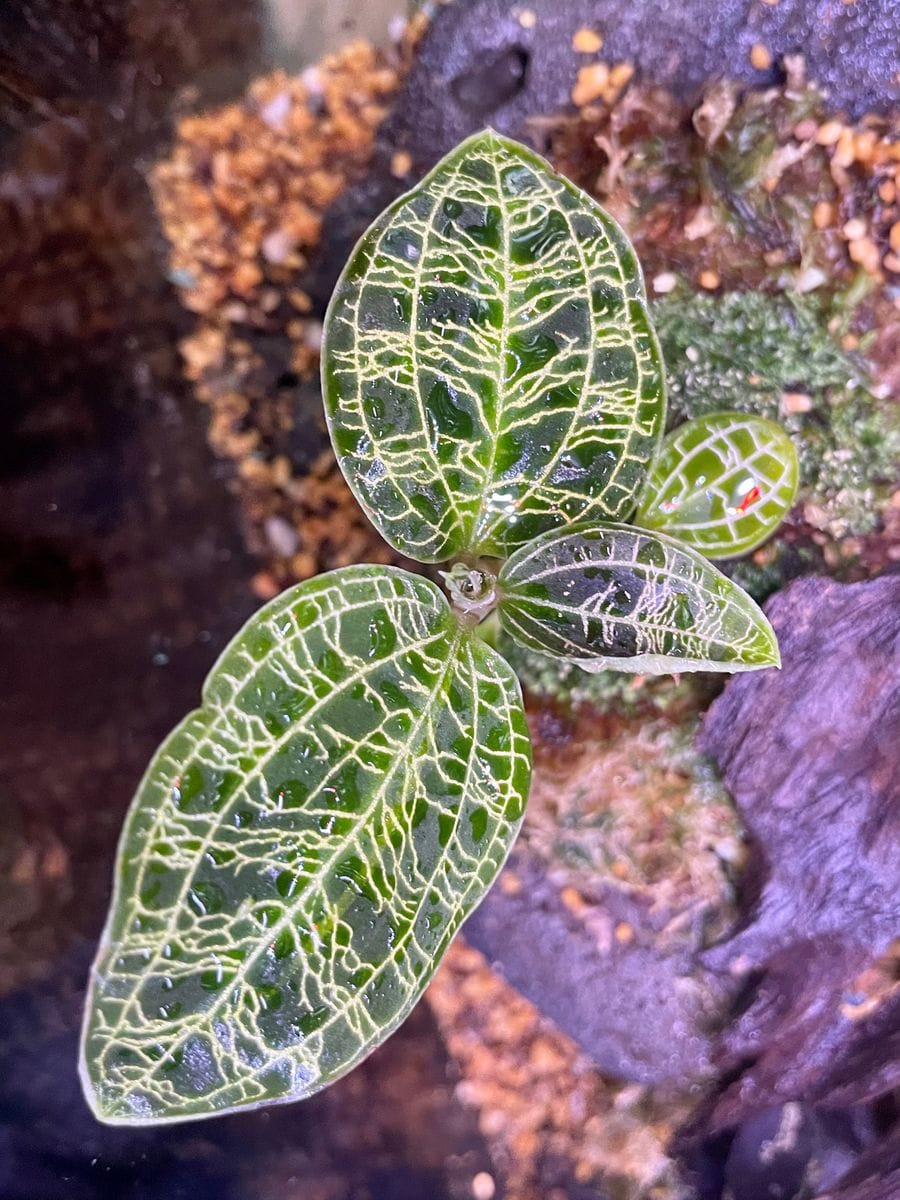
(722, 483)
(613, 597)
(489, 367)
(302, 850)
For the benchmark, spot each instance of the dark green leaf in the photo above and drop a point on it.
(489, 368)
(612, 597)
(302, 850)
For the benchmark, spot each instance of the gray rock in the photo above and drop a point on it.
(641, 1011)
(478, 65)
(812, 757)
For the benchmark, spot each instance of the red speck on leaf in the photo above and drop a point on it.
(752, 496)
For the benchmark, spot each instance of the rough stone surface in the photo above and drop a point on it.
(640, 1011)
(810, 755)
(479, 65)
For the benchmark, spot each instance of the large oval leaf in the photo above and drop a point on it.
(489, 367)
(302, 849)
(722, 483)
(612, 597)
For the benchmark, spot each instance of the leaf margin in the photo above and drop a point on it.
(107, 943)
(633, 664)
(634, 293)
(777, 442)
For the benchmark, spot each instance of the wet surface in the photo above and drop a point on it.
(123, 575)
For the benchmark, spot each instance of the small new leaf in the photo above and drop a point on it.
(612, 597)
(302, 850)
(489, 368)
(721, 483)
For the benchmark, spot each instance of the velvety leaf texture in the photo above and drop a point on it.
(489, 367)
(722, 483)
(613, 597)
(302, 850)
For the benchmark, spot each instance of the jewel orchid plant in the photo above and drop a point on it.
(304, 846)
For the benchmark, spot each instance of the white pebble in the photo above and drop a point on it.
(483, 1186)
(282, 536)
(311, 79)
(276, 111)
(277, 245)
(810, 279)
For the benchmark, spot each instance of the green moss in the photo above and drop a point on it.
(744, 351)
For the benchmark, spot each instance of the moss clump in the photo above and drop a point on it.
(774, 356)
(635, 805)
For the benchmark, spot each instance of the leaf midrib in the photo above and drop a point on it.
(271, 934)
(221, 712)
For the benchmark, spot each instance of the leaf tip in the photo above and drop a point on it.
(766, 653)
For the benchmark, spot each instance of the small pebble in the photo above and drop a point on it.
(264, 585)
(864, 251)
(591, 84)
(806, 130)
(709, 280)
(760, 57)
(829, 133)
(245, 278)
(277, 245)
(701, 224)
(313, 335)
(483, 1186)
(510, 884)
(401, 164)
(864, 145)
(313, 82)
(586, 41)
(573, 899)
(823, 215)
(300, 300)
(796, 402)
(854, 229)
(845, 149)
(894, 237)
(304, 565)
(618, 77)
(282, 536)
(665, 282)
(527, 18)
(276, 112)
(624, 934)
(810, 279)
